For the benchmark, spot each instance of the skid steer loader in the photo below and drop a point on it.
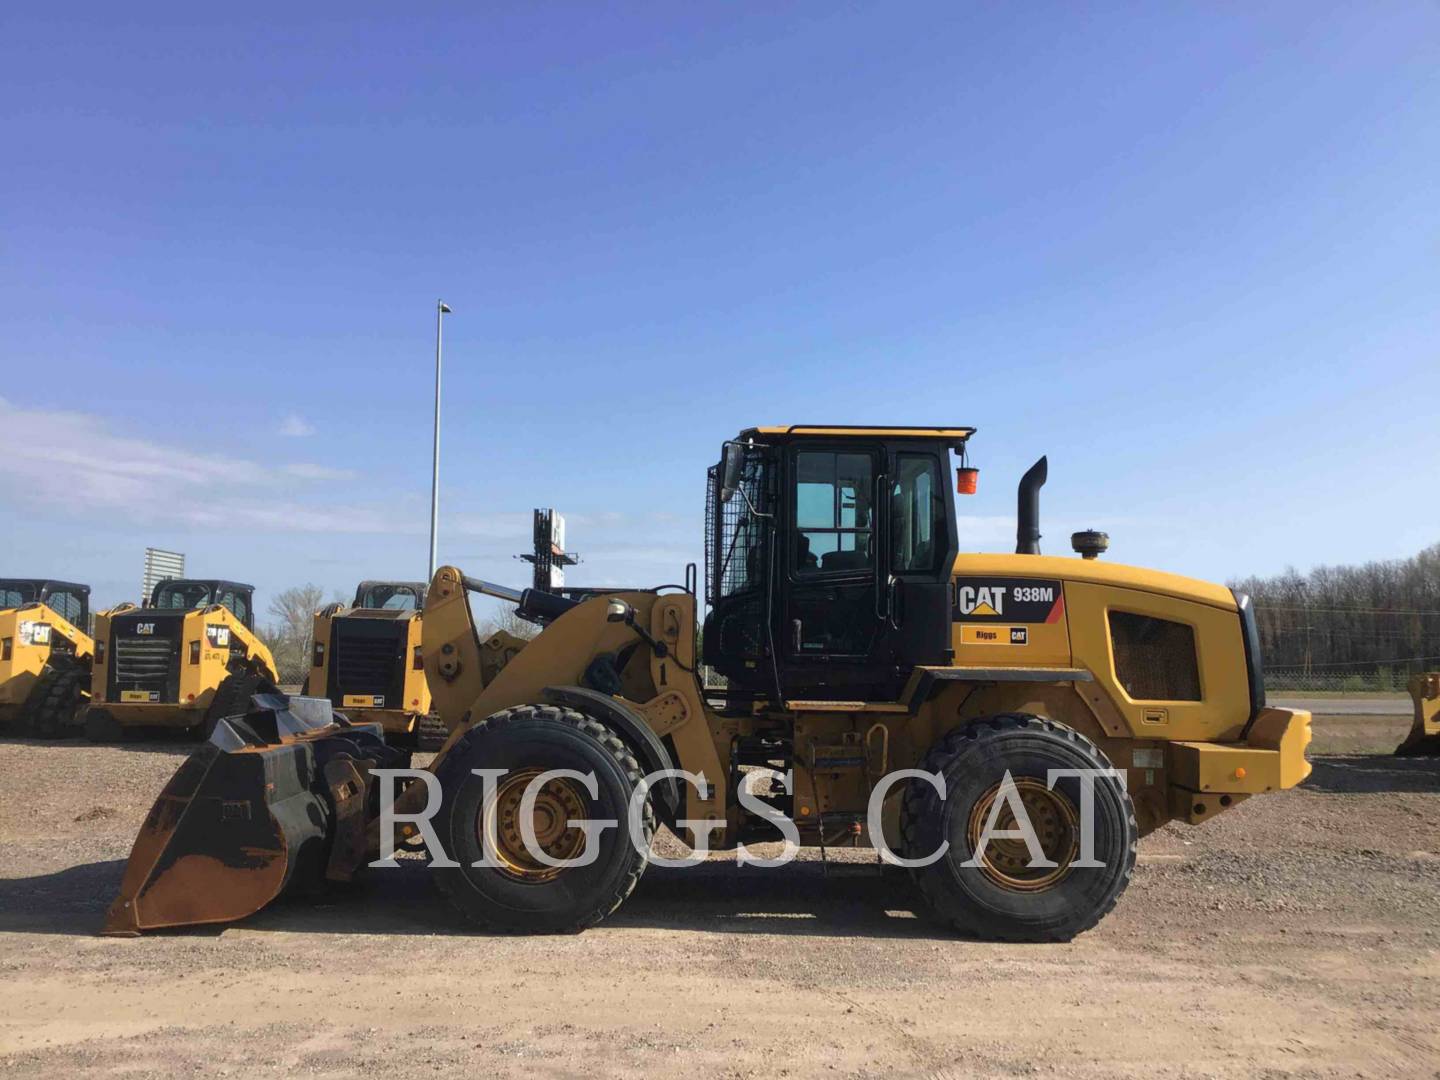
(185, 660)
(1008, 725)
(45, 654)
(366, 660)
(1424, 737)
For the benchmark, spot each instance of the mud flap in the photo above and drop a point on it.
(251, 815)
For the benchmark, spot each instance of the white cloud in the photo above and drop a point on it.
(296, 426)
(297, 517)
(310, 471)
(71, 458)
(74, 463)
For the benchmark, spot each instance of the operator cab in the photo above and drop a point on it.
(828, 559)
(67, 599)
(390, 595)
(191, 594)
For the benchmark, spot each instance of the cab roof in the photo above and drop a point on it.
(420, 587)
(215, 584)
(953, 435)
(44, 582)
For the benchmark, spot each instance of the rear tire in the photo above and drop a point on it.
(1006, 898)
(53, 703)
(514, 897)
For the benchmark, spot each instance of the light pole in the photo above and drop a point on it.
(441, 310)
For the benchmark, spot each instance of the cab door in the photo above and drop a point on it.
(829, 625)
(867, 555)
(920, 549)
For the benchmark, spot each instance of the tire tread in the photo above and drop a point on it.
(946, 749)
(606, 738)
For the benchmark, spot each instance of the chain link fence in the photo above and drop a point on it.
(1382, 680)
(292, 673)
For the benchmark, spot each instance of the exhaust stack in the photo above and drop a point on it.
(1027, 515)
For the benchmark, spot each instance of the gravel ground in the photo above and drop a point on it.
(1296, 935)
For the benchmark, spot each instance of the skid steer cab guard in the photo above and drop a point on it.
(267, 805)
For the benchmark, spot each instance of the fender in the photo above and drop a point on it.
(631, 727)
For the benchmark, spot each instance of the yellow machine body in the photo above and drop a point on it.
(162, 668)
(29, 637)
(1424, 737)
(1187, 759)
(367, 662)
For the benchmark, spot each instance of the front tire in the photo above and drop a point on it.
(519, 893)
(58, 694)
(1007, 895)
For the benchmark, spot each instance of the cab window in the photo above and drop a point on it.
(390, 598)
(13, 596)
(833, 512)
(917, 514)
(69, 605)
(240, 605)
(182, 596)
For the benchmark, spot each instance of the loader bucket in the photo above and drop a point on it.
(249, 815)
(1424, 737)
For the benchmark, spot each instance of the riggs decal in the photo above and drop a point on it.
(1016, 600)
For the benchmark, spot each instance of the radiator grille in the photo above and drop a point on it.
(368, 657)
(147, 663)
(1154, 658)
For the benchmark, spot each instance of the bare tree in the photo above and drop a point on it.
(506, 619)
(1365, 626)
(291, 634)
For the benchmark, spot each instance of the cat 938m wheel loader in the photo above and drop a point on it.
(1007, 725)
(45, 654)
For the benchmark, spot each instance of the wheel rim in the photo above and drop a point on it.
(1005, 861)
(559, 800)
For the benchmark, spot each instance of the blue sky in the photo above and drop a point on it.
(1190, 252)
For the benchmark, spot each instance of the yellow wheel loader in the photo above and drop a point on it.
(1424, 737)
(185, 660)
(1006, 726)
(366, 660)
(45, 654)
